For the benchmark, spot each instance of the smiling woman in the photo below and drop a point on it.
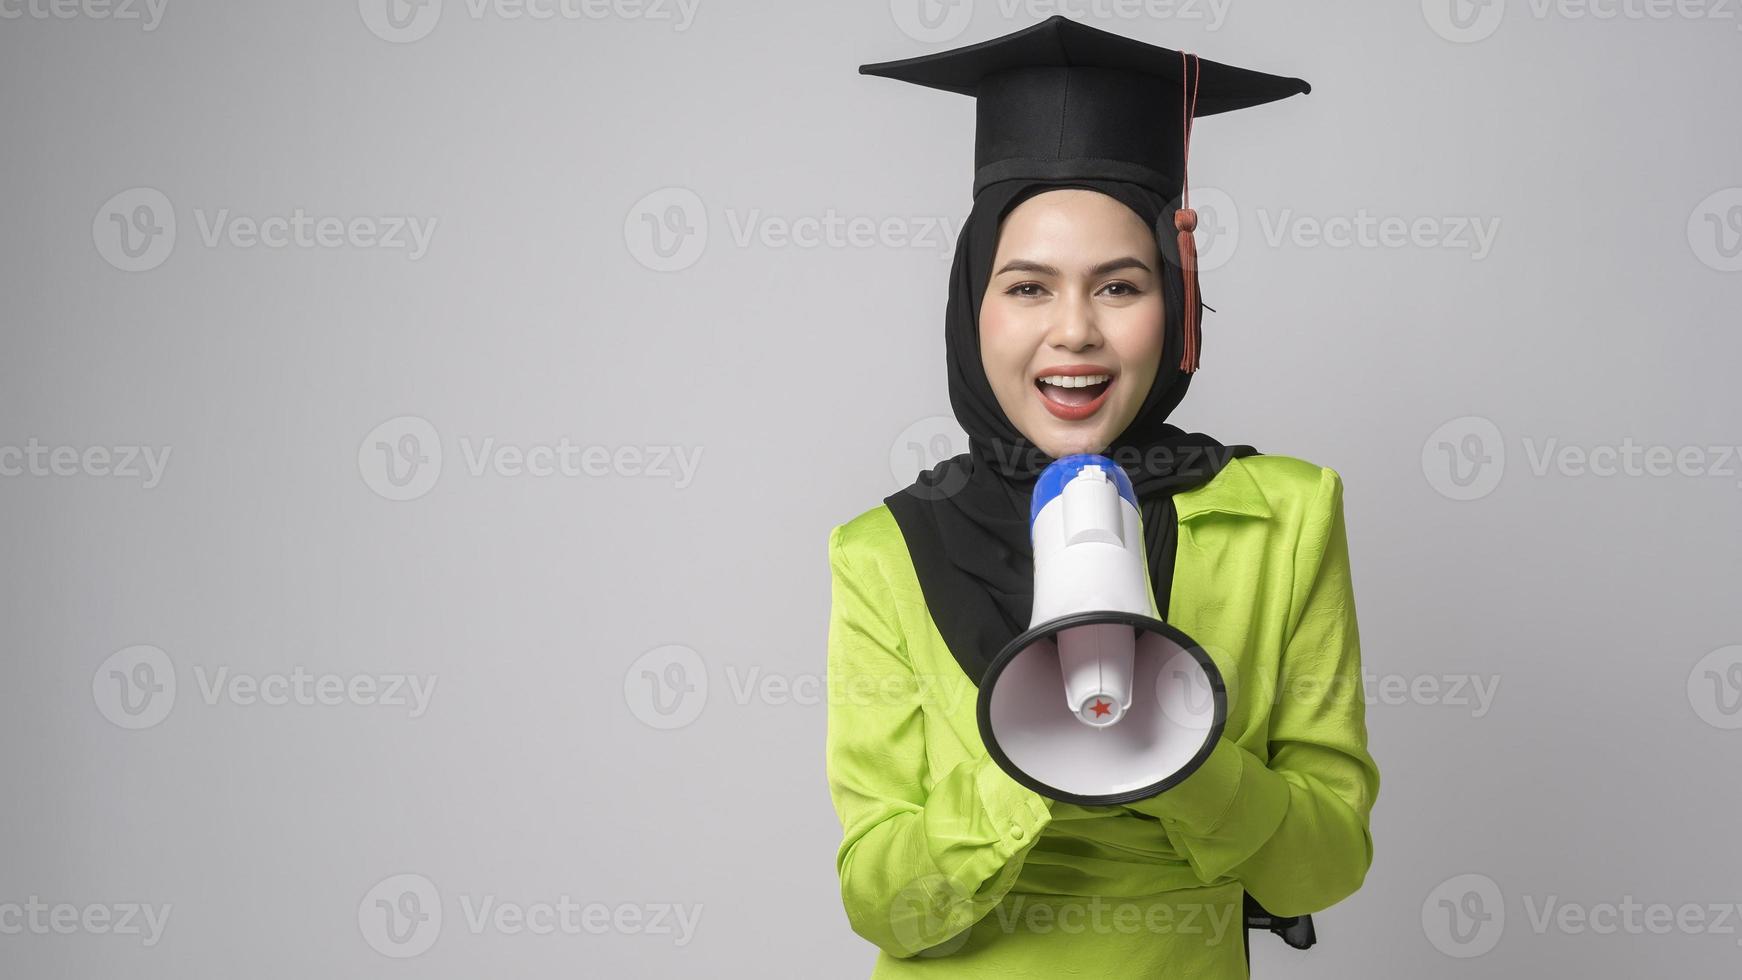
(1071, 328)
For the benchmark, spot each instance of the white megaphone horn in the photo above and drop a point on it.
(1099, 702)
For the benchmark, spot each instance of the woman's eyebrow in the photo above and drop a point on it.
(1111, 265)
(1114, 265)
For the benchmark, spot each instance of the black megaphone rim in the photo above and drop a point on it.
(1218, 691)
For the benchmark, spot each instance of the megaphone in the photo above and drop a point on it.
(1099, 702)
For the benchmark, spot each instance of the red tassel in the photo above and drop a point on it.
(1186, 221)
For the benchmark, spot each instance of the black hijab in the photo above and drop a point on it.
(966, 520)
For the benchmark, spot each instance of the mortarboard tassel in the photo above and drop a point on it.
(1185, 221)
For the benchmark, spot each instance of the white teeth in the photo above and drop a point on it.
(1079, 382)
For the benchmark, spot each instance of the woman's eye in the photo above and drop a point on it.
(1034, 290)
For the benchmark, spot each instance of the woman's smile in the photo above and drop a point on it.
(1074, 392)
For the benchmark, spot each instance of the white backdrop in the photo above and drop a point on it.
(420, 426)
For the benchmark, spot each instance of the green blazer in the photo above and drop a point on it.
(953, 869)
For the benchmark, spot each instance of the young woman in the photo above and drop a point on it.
(1068, 331)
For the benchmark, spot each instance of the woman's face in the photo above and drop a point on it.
(1075, 296)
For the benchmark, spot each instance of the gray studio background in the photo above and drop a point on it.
(421, 427)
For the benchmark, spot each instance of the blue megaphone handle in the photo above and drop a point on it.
(1052, 481)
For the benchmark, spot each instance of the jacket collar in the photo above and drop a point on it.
(1231, 491)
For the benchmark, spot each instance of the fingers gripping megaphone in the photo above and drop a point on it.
(1099, 702)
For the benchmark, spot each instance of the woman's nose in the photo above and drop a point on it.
(1073, 324)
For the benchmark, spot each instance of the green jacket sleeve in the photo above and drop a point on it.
(920, 861)
(1295, 831)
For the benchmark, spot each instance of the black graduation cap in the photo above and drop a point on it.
(1062, 100)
